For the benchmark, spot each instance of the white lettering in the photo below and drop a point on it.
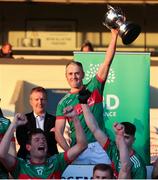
(112, 102)
(110, 114)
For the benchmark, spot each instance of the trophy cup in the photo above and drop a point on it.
(114, 19)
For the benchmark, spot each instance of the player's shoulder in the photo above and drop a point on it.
(4, 120)
(137, 160)
(65, 98)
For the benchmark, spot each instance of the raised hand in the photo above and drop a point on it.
(118, 128)
(115, 32)
(20, 119)
(70, 112)
(83, 96)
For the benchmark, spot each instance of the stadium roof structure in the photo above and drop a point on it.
(89, 1)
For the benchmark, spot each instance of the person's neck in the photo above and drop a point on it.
(35, 160)
(40, 113)
(76, 90)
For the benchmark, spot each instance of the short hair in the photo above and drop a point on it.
(34, 132)
(87, 43)
(129, 128)
(7, 44)
(75, 63)
(38, 89)
(103, 167)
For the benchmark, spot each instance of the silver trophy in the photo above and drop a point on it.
(114, 19)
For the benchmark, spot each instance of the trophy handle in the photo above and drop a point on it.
(110, 7)
(115, 19)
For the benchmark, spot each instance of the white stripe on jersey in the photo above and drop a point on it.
(135, 161)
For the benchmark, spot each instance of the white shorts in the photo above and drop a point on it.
(94, 154)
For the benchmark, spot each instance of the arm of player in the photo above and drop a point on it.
(125, 171)
(59, 134)
(81, 141)
(12, 149)
(104, 67)
(7, 159)
(91, 122)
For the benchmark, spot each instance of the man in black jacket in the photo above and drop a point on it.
(38, 118)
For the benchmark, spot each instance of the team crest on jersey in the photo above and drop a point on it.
(40, 170)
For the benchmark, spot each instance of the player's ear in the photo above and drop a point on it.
(28, 147)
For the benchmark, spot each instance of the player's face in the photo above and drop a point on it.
(38, 146)
(129, 139)
(38, 102)
(86, 49)
(74, 75)
(98, 174)
(6, 49)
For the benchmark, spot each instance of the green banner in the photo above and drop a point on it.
(126, 93)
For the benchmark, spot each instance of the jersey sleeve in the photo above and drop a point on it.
(139, 173)
(139, 170)
(111, 149)
(59, 161)
(5, 123)
(113, 153)
(15, 170)
(59, 111)
(96, 84)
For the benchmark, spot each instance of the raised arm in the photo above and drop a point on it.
(59, 134)
(91, 122)
(12, 149)
(104, 67)
(125, 171)
(6, 158)
(81, 141)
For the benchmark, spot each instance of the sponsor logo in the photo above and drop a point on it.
(110, 103)
(93, 68)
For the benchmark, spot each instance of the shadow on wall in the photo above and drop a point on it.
(54, 96)
(20, 98)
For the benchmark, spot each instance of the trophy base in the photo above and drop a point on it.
(130, 33)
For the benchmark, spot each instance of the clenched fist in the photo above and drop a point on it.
(70, 112)
(20, 119)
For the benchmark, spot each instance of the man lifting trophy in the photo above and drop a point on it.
(114, 19)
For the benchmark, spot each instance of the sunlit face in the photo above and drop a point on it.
(38, 102)
(38, 146)
(86, 49)
(98, 174)
(74, 75)
(6, 49)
